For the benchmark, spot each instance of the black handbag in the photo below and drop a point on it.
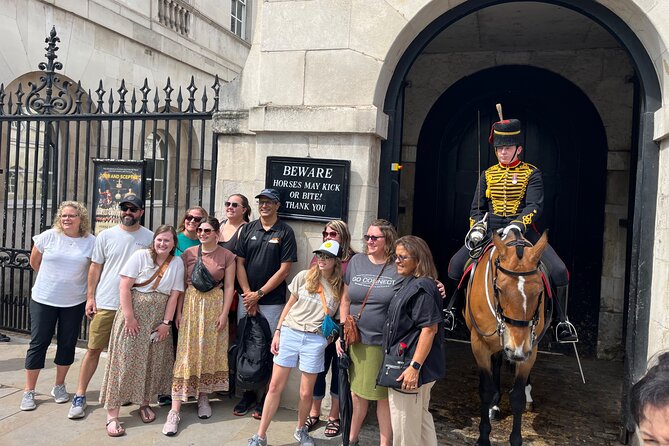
(391, 369)
(201, 278)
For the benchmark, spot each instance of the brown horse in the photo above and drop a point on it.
(505, 315)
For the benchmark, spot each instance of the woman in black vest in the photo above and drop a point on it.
(412, 331)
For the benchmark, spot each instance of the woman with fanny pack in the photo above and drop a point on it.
(140, 349)
(201, 365)
(303, 333)
(413, 355)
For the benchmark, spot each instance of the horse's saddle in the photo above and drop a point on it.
(473, 262)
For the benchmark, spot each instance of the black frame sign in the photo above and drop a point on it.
(114, 179)
(310, 188)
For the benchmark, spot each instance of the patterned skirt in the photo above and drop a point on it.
(137, 369)
(201, 365)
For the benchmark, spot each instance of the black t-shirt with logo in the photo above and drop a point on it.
(264, 252)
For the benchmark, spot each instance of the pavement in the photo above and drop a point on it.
(566, 411)
(49, 425)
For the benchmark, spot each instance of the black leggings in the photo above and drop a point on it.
(42, 327)
(558, 270)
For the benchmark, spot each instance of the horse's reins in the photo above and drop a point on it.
(498, 312)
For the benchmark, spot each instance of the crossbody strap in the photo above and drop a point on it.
(158, 274)
(369, 291)
(322, 293)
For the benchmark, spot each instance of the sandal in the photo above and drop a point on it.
(118, 431)
(332, 428)
(257, 413)
(311, 422)
(147, 414)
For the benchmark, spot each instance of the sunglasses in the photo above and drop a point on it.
(232, 203)
(402, 258)
(321, 256)
(206, 231)
(126, 208)
(331, 234)
(193, 218)
(372, 237)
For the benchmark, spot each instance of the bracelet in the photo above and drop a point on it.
(278, 329)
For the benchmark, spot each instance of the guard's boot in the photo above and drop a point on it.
(565, 331)
(450, 320)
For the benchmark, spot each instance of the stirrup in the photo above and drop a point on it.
(566, 326)
(449, 320)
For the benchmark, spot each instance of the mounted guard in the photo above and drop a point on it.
(510, 195)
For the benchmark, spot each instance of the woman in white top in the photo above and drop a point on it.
(140, 349)
(60, 257)
(299, 339)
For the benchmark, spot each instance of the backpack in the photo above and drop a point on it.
(254, 359)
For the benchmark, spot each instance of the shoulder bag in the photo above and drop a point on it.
(201, 278)
(329, 327)
(351, 331)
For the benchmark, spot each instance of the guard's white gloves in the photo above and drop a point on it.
(506, 230)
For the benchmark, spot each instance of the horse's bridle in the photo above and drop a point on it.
(498, 312)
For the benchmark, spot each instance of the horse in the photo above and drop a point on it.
(505, 314)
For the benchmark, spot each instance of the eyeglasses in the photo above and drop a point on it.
(265, 202)
(232, 203)
(331, 234)
(69, 216)
(193, 218)
(372, 237)
(206, 231)
(402, 258)
(126, 208)
(321, 256)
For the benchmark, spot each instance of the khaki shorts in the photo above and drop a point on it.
(100, 329)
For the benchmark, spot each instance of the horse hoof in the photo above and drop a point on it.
(529, 406)
(495, 414)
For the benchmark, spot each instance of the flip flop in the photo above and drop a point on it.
(115, 432)
(311, 422)
(147, 414)
(332, 428)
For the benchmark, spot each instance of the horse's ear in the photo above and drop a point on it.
(539, 248)
(499, 244)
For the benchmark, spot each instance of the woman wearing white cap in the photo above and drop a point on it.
(299, 337)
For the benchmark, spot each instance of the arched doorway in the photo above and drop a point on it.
(565, 139)
(640, 224)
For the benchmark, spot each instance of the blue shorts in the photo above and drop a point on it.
(307, 348)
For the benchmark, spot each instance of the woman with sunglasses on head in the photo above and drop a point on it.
(187, 229)
(141, 357)
(369, 286)
(299, 339)
(60, 258)
(201, 365)
(336, 230)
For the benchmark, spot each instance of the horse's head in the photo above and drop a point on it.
(518, 288)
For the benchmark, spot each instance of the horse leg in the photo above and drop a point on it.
(529, 402)
(517, 398)
(486, 394)
(494, 411)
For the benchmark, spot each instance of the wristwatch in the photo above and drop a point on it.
(261, 293)
(416, 365)
(166, 322)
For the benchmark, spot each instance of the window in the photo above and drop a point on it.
(155, 166)
(238, 17)
(14, 180)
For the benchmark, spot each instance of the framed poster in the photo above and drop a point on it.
(114, 179)
(310, 188)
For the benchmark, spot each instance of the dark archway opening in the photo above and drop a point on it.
(564, 137)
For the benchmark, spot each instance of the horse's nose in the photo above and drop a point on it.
(516, 354)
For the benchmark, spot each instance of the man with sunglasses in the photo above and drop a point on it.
(511, 195)
(266, 251)
(113, 247)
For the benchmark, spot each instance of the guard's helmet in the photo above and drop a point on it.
(506, 133)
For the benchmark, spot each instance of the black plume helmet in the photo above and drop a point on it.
(506, 132)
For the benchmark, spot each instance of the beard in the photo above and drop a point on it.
(129, 220)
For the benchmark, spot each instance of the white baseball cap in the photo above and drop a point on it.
(329, 247)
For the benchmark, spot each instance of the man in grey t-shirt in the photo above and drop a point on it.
(113, 247)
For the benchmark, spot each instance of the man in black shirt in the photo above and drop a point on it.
(265, 252)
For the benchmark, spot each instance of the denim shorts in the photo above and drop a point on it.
(307, 348)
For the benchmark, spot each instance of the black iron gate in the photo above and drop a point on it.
(51, 129)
